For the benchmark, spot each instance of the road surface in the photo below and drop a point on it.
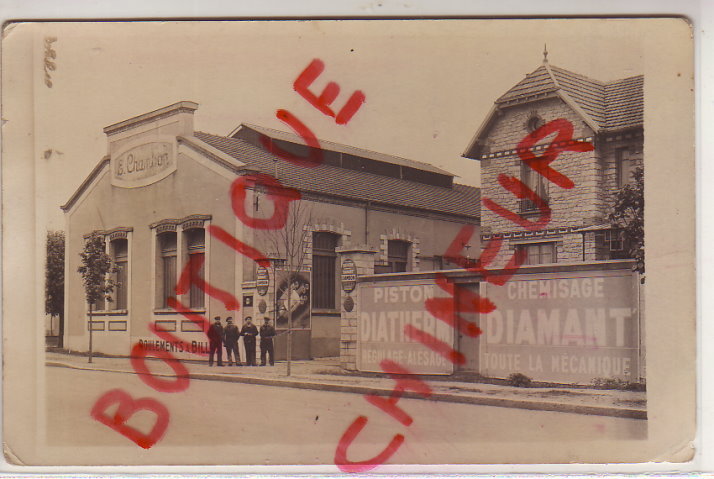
(231, 423)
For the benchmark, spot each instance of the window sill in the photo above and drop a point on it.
(112, 312)
(530, 213)
(326, 312)
(164, 311)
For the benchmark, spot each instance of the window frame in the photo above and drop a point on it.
(121, 288)
(536, 182)
(324, 296)
(396, 258)
(165, 289)
(529, 246)
(196, 296)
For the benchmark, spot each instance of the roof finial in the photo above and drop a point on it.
(545, 53)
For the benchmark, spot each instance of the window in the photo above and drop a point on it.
(613, 243)
(538, 253)
(167, 268)
(196, 246)
(624, 165)
(398, 256)
(120, 257)
(537, 183)
(324, 260)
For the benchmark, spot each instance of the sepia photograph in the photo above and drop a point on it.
(348, 243)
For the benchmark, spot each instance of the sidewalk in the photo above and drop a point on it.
(325, 374)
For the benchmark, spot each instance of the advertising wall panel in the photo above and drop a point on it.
(386, 308)
(563, 327)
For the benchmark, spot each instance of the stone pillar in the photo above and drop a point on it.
(363, 259)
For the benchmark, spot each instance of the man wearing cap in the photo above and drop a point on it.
(266, 341)
(249, 332)
(231, 343)
(215, 341)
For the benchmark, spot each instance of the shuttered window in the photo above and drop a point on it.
(324, 261)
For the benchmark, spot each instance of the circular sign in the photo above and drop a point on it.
(262, 306)
(349, 304)
(262, 280)
(349, 276)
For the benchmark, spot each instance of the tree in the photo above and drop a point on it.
(95, 269)
(628, 213)
(54, 279)
(288, 244)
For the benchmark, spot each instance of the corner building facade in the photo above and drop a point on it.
(156, 195)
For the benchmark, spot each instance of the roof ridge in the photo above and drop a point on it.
(441, 171)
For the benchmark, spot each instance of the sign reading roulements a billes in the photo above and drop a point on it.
(262, 280)
(349, 276)
(143, 164)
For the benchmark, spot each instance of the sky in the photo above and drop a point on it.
(428, 84)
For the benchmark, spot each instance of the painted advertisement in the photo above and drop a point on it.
(293, 294)
(385, 310)
(570, 329)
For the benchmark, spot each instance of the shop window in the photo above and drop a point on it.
(166, 280)
(119, 249)
(398, 256)
(537, 183)
(538, 253)
(625, 166)
(324, 264)
(196, 246)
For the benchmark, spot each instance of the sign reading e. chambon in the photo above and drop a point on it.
(143, 164)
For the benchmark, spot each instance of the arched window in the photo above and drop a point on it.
(324, 267)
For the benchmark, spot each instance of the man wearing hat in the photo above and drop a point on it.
(231, 342)
(215, 341)
(266, 341)
(249, 332)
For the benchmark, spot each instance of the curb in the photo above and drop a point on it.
(626, 413)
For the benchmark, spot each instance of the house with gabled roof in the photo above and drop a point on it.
(607, 114)
(162, 186)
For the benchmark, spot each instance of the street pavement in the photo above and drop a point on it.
(224, 422)
(325, 374)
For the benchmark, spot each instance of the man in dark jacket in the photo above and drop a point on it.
(232, 334)
(266, 342)
(215, 341)
(249, 332)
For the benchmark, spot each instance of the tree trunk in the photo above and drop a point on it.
(91, 328)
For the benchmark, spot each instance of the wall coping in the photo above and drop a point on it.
(605, 265)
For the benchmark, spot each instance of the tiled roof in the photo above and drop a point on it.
(350, 150)
(325, 179)
(610, 105)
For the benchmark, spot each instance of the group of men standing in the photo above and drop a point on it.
(218, 337)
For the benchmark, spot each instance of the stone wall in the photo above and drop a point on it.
(363, 258)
